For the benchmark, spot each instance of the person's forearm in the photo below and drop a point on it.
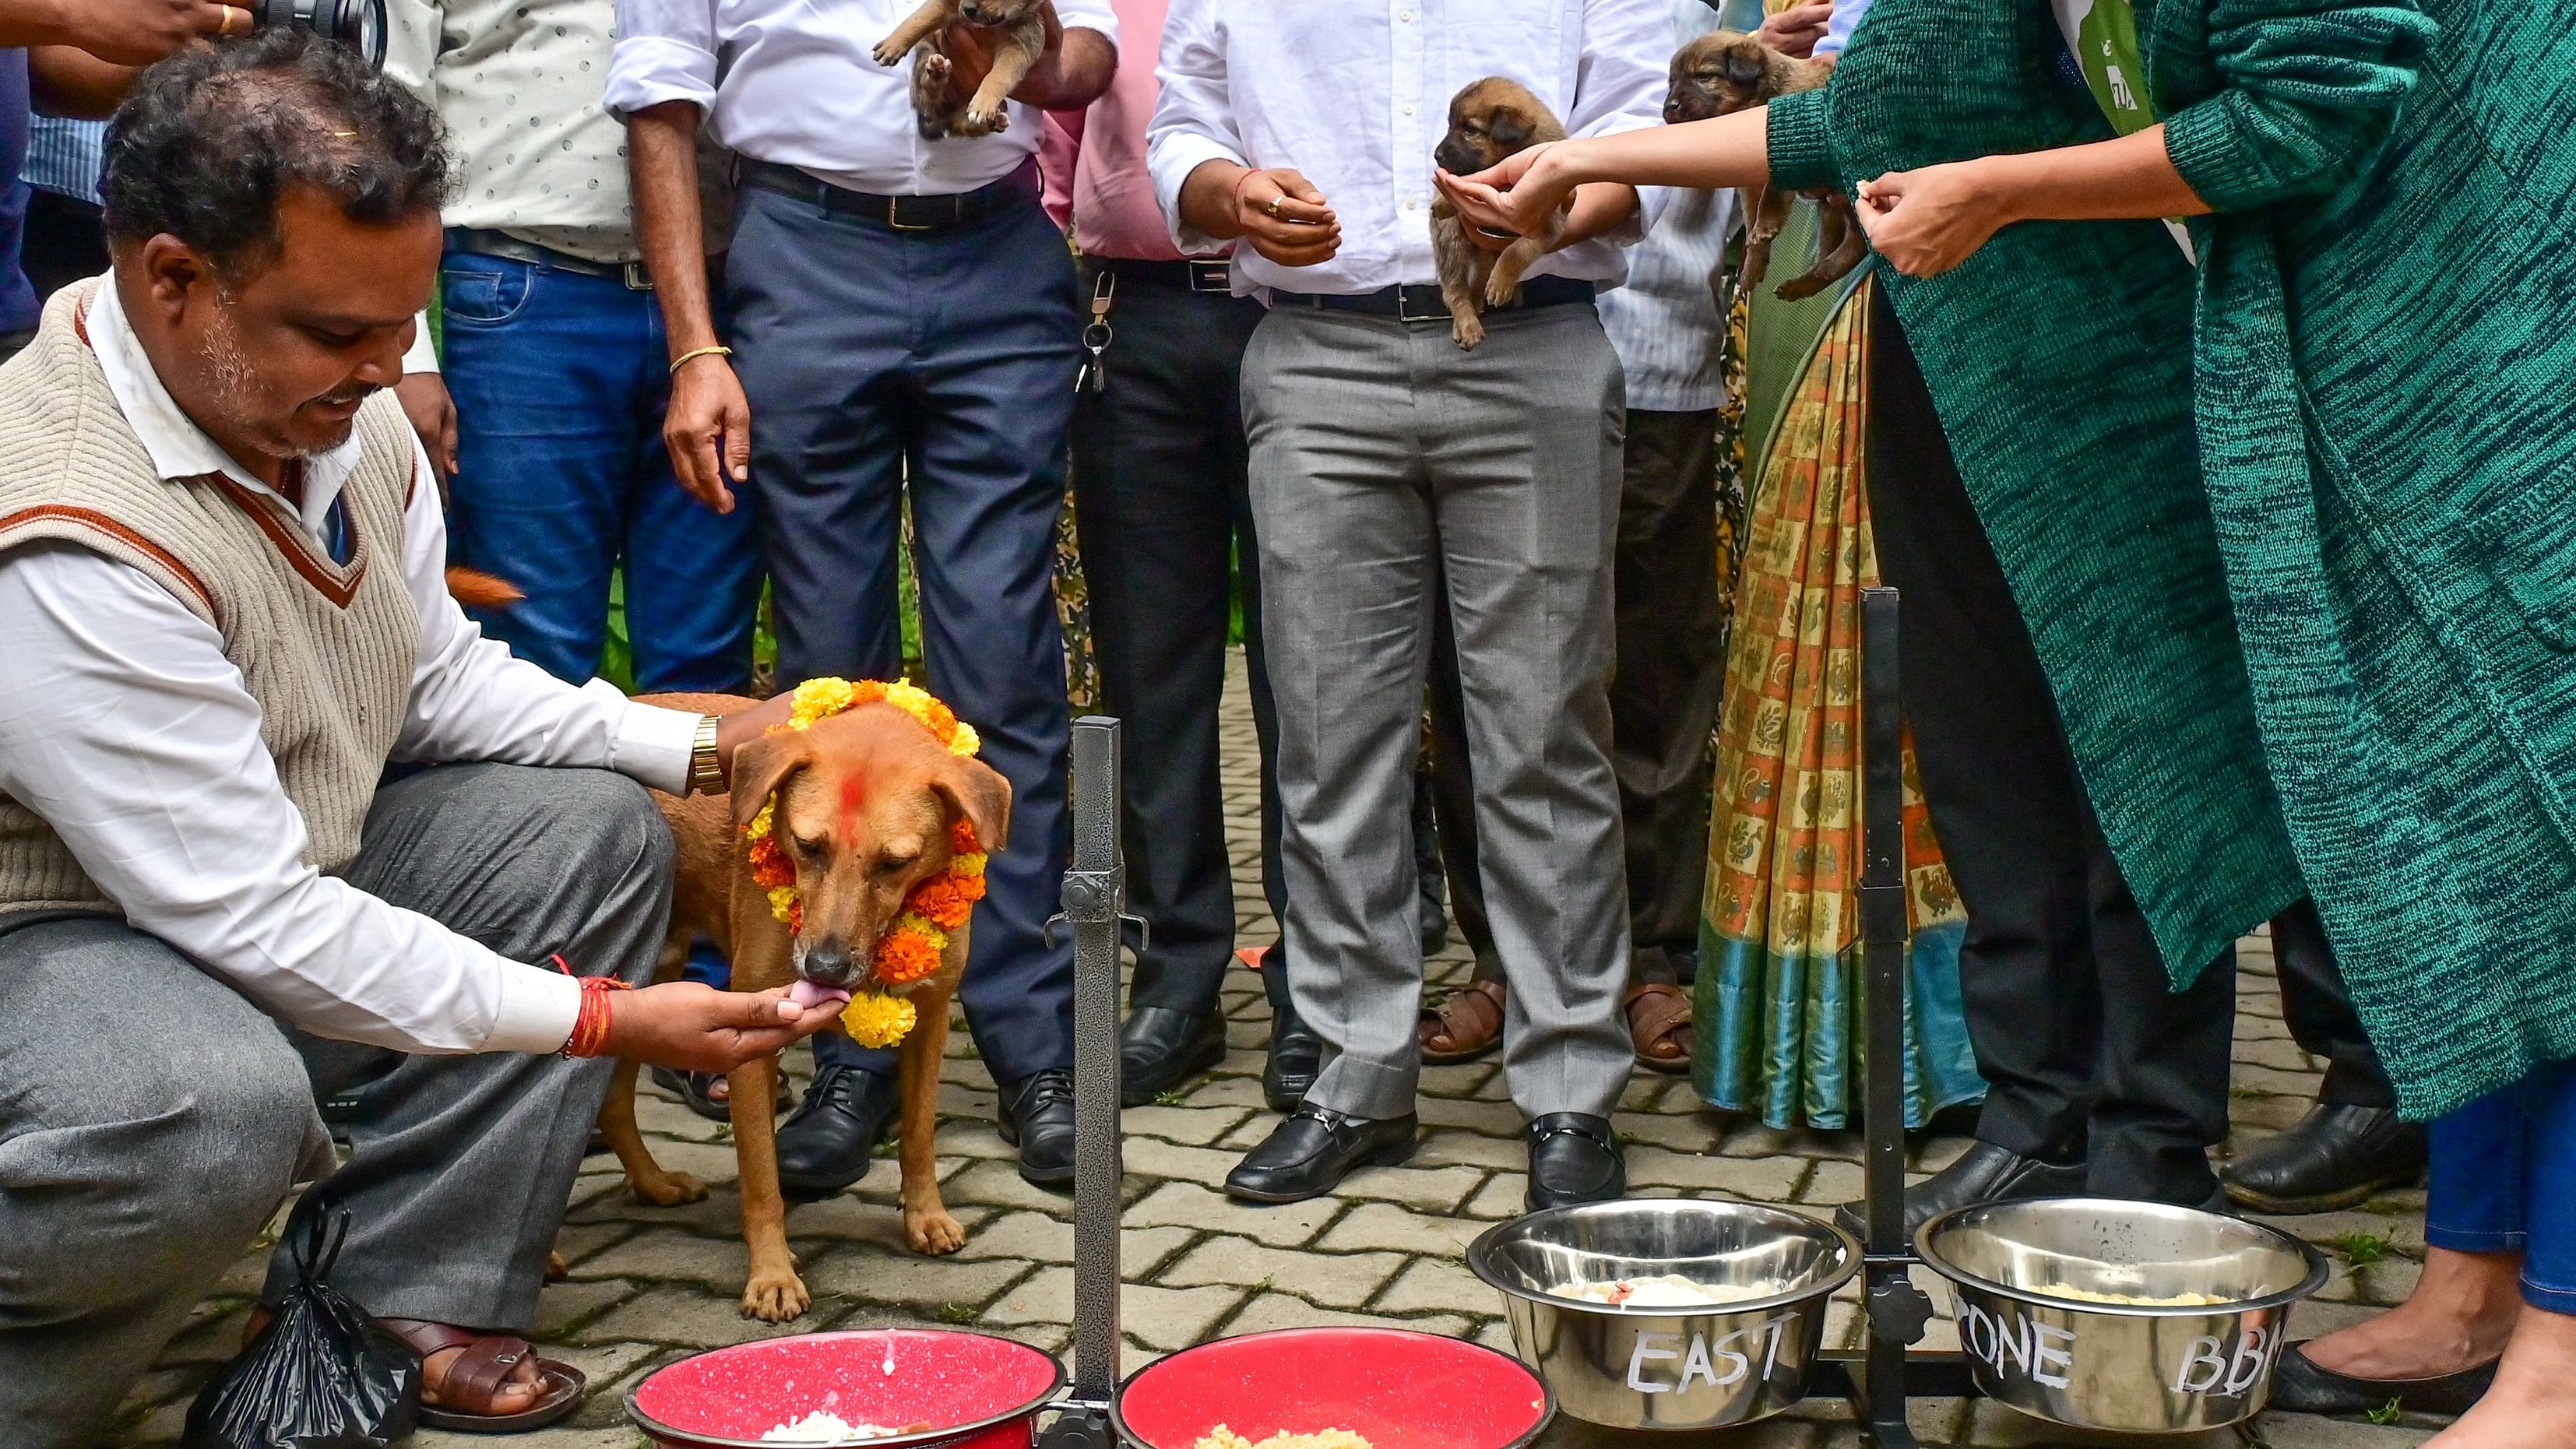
(1207, 200)
(1599, 209)
(2130, 178)
(1723, 151)
(662, 163)
(75, 83)
(1071, 76)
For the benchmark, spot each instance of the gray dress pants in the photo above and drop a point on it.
(1383, 460)
(152, 1118)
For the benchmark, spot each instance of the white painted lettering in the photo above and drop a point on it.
(2202, 1368)
(2045, 1356)
(1637, 1361)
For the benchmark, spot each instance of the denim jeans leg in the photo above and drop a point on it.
(2481, 1177)
(2549, 1192)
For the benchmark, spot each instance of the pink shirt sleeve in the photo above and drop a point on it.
(1059, 151)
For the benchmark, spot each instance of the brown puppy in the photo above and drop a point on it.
(967, 58)
(865, 801)
(1726, 71)
(1489, 120)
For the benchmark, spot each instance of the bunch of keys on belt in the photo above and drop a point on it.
(1096, 335)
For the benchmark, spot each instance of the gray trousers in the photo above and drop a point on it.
(152, 1118)
(1384, 458)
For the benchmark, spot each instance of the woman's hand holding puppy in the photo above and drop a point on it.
(1277, 210)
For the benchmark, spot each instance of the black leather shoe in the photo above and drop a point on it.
(2300, 1387)
(1161, 1047)
(1983, 1173)
(831, 1140)
(2333, 1158)
(1037, 1118)
(1574, 1157)
(1296, 1054)
(1309, 1154)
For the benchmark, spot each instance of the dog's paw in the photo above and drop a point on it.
(983, 123)
(887, 52)
(669, 1190)
(1498, 295)
(775, 1297)
(1467, 329)
(1799, 289)
(933, 1234)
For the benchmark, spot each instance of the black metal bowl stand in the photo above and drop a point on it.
(1877, 1380)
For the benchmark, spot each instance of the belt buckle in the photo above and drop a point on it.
(1211, 276)
(1404, 306)
(638, 277)
(894, 216)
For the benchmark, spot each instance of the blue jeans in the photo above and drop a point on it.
(560, 380)
(934, 368)
(2504, 1181)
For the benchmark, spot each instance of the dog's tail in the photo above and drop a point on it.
(476, 589)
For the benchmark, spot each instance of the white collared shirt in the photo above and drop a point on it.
(792, 82)
(126, 728)
(1354, 94)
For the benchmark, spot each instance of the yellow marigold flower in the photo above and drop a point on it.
(761, 822)
(782, 901)
(971, 863)
(816, 699)
(965, 741)
(874, 1020)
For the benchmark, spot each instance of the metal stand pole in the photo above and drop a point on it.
(1095, 897)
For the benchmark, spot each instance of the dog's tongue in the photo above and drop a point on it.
(808, 995)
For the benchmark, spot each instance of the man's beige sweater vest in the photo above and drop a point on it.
(326, 650)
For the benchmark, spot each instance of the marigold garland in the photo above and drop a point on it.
(912, 947)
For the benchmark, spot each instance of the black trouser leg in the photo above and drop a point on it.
(1671, 670)
(1159, 491)
(2067, 1006)
(2318, 1010)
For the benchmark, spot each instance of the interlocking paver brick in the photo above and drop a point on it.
(1384, 1225)
(1278, 1310)
(1438, 1285)
(866, 1275)
(1188, 1205)
(1189, 1126)
(1161, 1318)
(1335, 1280)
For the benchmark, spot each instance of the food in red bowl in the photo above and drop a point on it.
(1376, 1383)
(931, 1386)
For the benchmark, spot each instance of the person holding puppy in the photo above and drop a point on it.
(1383, 455)
(903, 338)
(221, 569)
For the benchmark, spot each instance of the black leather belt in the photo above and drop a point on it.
(903, 213)
(1422, 302)
(1193, 274)
(509, 248)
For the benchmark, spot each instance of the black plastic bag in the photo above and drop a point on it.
(322, 1374)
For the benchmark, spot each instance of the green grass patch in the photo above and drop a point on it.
(2360, 1249)
(2387, 1413)
(959, 1313)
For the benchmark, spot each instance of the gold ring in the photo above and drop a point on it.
(1274, 204)
(231, 13)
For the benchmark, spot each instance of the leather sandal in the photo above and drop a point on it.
(1659, 1024)
(476, 1375)
(1469, 1019)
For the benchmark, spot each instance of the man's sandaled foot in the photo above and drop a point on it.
(1464, 1025)
(1659, 1027)
(486, 1383)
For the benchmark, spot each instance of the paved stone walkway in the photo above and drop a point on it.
(649, 1285)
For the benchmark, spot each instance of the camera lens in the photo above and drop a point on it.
(359, 24)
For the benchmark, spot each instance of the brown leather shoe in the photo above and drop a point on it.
(1463, 1025)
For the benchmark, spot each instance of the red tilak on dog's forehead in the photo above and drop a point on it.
(854, 797)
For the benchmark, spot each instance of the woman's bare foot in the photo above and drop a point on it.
(2533, 1402)
(2461, 1313)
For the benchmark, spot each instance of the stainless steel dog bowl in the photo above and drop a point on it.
(2128, 1368)
(1695, 1367)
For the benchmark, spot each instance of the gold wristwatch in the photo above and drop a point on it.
(706, 769)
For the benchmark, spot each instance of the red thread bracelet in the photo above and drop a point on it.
(590, 1027)
(1238, 192)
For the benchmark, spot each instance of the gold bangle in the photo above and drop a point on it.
(706, 769)
(697, 352)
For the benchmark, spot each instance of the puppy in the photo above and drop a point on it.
(865, 802)
(1726, 71)
(950, 42)
(1489, 120)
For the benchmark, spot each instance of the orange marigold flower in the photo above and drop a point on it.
(961, 836)
(971, 887)
(942, 902)
(905, 956)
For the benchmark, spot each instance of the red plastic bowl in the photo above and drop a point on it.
(1396, 1389)
(977, 1391)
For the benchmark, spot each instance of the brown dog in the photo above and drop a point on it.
(865, 801)
(1489, 120)
(967, 58)
(1726, 71)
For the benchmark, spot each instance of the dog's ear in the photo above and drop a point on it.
(977, 791)
(1744, 68)
(761, 768)
(1510, 130)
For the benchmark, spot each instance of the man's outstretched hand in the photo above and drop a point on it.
(696, 1028)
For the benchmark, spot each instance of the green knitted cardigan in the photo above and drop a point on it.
(2295, 533)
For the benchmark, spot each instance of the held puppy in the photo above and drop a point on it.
(1726, 71)
(865, 802)
(1489, 120)
(953, 41)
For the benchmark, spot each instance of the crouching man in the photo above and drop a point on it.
(220, 586)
